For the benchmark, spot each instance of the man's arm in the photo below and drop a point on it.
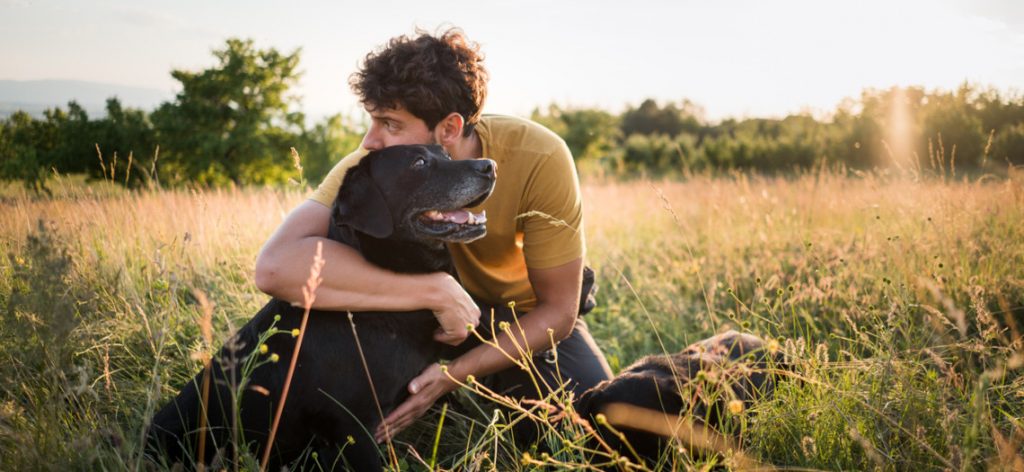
(558, 303)
(558, 298)
(352, 283)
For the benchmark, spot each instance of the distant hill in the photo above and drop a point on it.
(34, 96)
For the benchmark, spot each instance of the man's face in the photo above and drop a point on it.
(393, 126)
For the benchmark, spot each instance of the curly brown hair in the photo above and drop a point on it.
(430, 76)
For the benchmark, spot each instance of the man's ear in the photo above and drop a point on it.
(361, 205)
(449, 130)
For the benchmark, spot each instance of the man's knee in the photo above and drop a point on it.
(579, 360)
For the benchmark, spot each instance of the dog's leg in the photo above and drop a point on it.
(173, 433)
(167, 429)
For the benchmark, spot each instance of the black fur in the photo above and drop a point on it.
(663, 383)
(376, 212)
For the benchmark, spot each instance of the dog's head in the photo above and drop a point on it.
(415, 193)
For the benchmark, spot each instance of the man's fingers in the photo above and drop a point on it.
(391, 432)
(399, 426)
(416, 383)
(393, 424)
(395, 415)
(386, 428)
(453, 338)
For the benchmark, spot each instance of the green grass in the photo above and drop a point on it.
(900, 302)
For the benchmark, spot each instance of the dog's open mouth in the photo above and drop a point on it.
(453, 226)
(461, 217)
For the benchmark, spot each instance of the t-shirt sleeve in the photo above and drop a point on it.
(328, 189)
(553, 212)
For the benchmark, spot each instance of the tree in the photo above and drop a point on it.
(1008, 146)
(649, 118)
(590, 134)
(128, 133)
(952, 123)
(19, 158)
(322, 146)
(233, 122)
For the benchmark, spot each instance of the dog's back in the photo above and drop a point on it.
(696, 382)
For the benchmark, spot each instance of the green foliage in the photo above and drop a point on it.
(908, 129)
(31, 150)
(232, 122)
(19, 154)
(590, 134)
(324, 144)
(650, 118)
(129, 134)
(952, 120)
(1008, 145)
(657, 154)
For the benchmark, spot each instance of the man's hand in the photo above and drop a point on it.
(455, 310)
(424, 391)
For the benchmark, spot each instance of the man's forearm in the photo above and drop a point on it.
(349, 281)
(532, 338)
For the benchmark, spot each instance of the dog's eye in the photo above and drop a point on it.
(419, 163)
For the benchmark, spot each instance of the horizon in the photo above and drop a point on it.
(751, 60)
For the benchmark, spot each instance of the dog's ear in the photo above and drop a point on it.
(361, 205)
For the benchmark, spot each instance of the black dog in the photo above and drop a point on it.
(701, 380)
(397, 206)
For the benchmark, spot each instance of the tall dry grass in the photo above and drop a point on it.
(901, 302)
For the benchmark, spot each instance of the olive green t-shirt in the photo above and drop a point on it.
(534, 215)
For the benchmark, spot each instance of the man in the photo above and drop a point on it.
(430, 90)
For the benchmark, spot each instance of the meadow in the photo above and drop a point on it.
(899, 301)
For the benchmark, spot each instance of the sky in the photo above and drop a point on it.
(734, 58)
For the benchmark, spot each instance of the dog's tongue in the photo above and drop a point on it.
(456, 216)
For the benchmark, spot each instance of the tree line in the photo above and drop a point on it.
(235, 123)
(970, 129)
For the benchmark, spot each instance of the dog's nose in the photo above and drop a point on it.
(485, 167)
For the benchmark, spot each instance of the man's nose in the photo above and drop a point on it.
(372, 141)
